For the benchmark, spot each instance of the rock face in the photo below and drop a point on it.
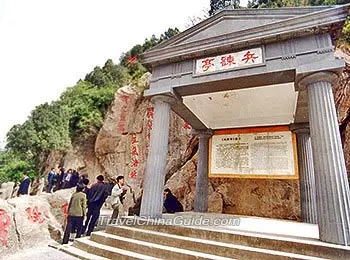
(250, 197)
(342, 100)
(121, 148)
(9, 240)
(29, 221)
(123, 142)
(6, 190)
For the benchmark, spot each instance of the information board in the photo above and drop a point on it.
(253, 153)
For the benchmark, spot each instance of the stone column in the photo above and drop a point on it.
(201, 197)
(332, 187)
(153, 187)
(307, 176)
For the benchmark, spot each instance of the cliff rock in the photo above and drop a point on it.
(342, 100)
(29, 221)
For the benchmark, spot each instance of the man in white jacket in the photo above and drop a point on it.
(117, 197)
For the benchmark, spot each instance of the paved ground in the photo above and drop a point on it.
(39, 253)
(267, 226)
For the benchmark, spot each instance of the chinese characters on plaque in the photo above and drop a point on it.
(230, 61)
(264, 154)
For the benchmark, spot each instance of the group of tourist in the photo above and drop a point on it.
(89, 201)
(93, 198)
(62, 179)
(56, 180)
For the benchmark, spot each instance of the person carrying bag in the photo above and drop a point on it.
(117, 198)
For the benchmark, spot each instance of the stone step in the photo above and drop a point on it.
(81, 254)
(196, 244)
(97, 249)
(302, 246)
(152, 249)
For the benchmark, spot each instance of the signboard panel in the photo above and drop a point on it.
(253, 153)
(228, 61)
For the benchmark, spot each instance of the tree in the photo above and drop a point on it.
(50, 123)
(22, 140)
(131, 59)
(109, 74)
(97, 77)
(46, 129)
(290, 3)
(345, 38)
(216, 5)
(171, 32)
(12, 167)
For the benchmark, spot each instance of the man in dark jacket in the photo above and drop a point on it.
(86, 188)
(50, 180)
(97, 196)
(75, 179)
(24, 186)
(171, 203)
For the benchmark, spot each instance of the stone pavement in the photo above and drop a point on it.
(42, 253)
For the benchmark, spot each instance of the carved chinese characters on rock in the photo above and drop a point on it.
(134, 157)
(35, 215)
(123, 111)
(64, 208)
(149, 124)
(5, 223)
(244, 58)
(187, 126)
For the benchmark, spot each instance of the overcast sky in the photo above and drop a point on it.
(48, 45)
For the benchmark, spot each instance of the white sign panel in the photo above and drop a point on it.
(264, 153)
(230, 61)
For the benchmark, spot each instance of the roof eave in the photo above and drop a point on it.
(312, 23)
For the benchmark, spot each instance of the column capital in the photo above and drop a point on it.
(163, 98)
(327, 76)
(301, 128)
(207, 133)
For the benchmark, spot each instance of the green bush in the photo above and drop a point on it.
(12, 168)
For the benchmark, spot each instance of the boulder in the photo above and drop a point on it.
(33, 217)
(6, 190)
(9, 240)
(123, 141)
(38, 186)
(58, 202)
(215, 202)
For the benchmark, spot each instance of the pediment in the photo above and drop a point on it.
(230, 21)
(237, 28)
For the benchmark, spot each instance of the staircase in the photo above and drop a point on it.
(149, 241)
